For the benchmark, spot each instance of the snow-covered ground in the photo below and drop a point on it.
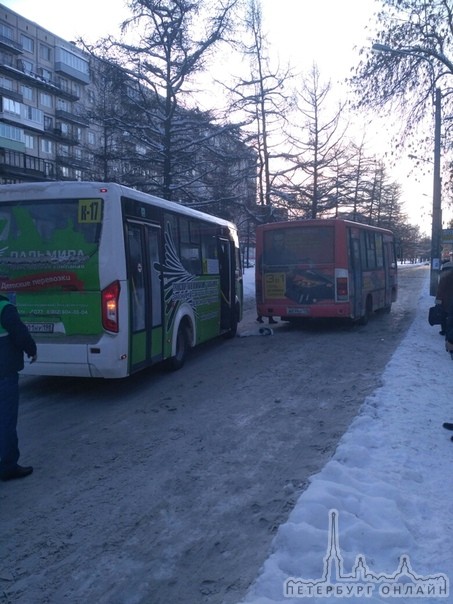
(377, 522)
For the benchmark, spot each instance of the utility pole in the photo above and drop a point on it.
(436, 227)
(436, 233)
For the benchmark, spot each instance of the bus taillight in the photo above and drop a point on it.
(341, 285)
(342, 288)
(110, 298)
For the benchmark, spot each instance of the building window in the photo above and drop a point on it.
(6, 31)
(45, 74)
(74, 61)
(46, 146)
(63, 127)
(45, 99)
(45, 52)
(6, 83)
(13, 158)
(33, 115)
(91, 138)
(27, 92)
(28, 44)
(48, 169)
(29, 141)
(63, 105)
(25, 66)
(11, 133)
(48, 122)
(11, 107)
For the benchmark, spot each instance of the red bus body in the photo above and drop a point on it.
(324, 268)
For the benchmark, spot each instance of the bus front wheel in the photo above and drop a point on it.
(231, 333)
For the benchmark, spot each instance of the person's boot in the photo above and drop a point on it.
(17, 472)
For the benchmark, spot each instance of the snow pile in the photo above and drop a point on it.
(390, 482)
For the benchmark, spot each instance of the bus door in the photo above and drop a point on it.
(357, 277)
(145, 294)
(389, 271)
(226, 283)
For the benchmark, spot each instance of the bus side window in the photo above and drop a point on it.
(379, 250)
(209, 252)
(190, 246)
(368, 245)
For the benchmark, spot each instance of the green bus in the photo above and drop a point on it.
(110, 280)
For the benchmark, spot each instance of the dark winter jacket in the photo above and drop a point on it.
(445, 289)
(15, 339)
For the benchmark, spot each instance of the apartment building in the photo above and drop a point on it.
(50, 127)
(44, 92)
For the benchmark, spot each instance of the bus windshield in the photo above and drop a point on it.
(298, 245)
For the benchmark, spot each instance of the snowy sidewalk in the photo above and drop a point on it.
(390, 480)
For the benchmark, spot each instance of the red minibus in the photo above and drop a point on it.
(324, 268)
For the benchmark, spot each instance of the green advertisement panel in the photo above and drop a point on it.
(49, 263)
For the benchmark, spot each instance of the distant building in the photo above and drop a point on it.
(44, 85)
(51, 127)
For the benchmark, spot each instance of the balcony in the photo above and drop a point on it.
(21, 115)
(57, 135)
(67, 138)
(14, 164)
(15, 96)
(17, 72)
(67, 116)
(73, 162)
(10, 45)
(67, 92)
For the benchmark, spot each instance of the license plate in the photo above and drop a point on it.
(297, 311)
(40, 327)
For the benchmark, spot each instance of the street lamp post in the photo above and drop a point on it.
(436, 226)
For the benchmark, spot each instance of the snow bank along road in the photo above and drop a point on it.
(168, 487)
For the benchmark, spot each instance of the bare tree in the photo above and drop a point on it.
(318, 156)
(169, 45)
(353, 197)
(259, 102)
(413, 55)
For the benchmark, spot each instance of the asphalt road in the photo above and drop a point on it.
(169, 487)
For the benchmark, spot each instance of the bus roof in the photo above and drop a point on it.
(306, 222)
(52, 189)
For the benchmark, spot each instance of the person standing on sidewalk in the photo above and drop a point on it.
(15, 339)
(444, 295)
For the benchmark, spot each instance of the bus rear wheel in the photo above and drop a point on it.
(182, 348)
(368, 312)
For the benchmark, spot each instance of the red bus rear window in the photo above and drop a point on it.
(299, 245)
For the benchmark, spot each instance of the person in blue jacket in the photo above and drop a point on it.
(15, 340)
